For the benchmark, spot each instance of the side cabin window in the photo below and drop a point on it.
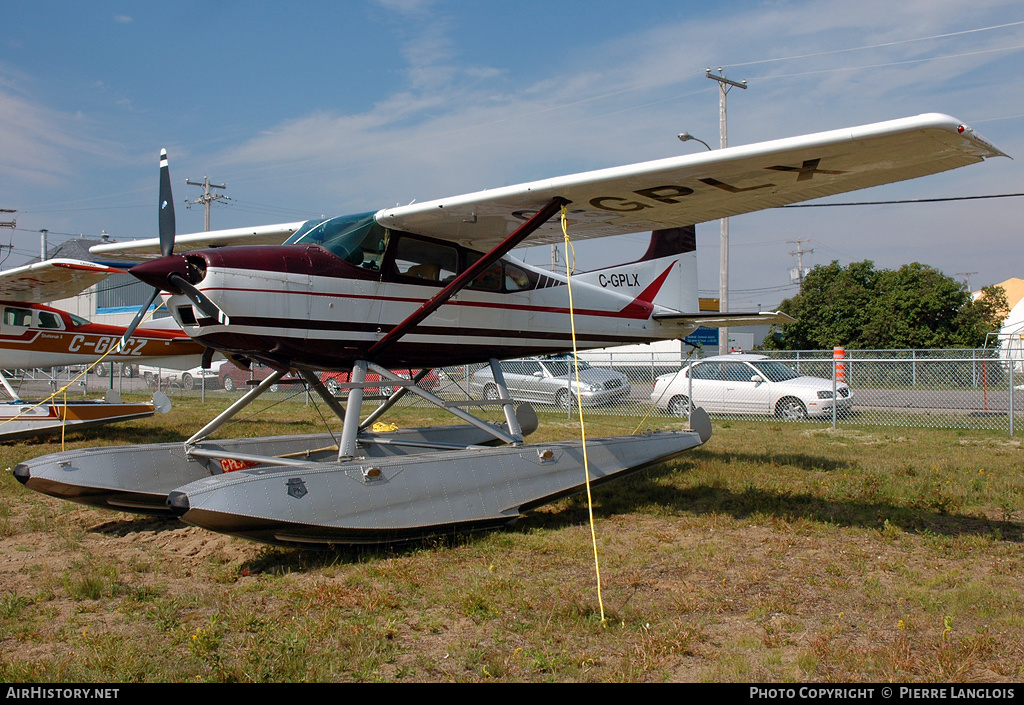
(362, 242)
(27, 318)
(500, 276)
(357, 239)
(18, 317)
(426, 260)
(50, 321)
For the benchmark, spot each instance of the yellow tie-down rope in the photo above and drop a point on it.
(570, 263)
(64, 390)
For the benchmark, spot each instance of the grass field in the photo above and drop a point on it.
(776, 552)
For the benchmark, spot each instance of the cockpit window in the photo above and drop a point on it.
(357, 239)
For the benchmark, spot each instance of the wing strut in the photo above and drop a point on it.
(460, 282)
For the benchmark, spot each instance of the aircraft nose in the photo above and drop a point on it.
(178, 502)
(157, 272)
(22, 474)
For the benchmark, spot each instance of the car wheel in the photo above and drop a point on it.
(491, 392)
(188, 383)
(229, 384)
(563, 399)
(100, 370)
(679, 406)
(332, 386)
(150, 382)
(791, 409)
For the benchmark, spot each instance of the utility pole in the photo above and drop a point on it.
(8, 223)
(799, 252)
(207, 198)
(967, 278)
(724, 84)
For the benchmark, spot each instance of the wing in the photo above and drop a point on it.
(150, 248)
(695, 188)
(51, 280)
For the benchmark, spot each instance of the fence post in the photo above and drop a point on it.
(835, 386)
(1010, 356)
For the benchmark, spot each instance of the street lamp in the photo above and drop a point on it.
(686, 137)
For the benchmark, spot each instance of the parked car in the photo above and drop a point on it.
(743, 383)
(334, 380)
(232, 377)
(186, 379)
(552, 380)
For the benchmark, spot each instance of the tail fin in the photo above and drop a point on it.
(674, 249)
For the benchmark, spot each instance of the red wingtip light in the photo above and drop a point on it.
(960, 129)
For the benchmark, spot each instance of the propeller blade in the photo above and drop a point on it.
(198, 299)
(167, 227)
(135, 323)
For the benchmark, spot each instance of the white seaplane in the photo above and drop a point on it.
(433, 284)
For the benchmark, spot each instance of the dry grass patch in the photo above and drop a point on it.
(777, 552)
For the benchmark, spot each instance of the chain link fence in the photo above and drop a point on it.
(962, 388)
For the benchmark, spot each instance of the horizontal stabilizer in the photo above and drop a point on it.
(714, 319)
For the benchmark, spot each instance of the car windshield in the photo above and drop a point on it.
(774, 371)
(558, 368)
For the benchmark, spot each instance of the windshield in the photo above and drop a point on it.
(774, 371)
(357, 239)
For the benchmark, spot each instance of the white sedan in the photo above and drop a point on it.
(748, 384)
(186, 379)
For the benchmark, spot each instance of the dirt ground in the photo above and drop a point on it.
(704, 579)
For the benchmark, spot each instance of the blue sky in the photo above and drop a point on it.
(312, 108)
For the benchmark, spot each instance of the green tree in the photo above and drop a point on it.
(858, 306)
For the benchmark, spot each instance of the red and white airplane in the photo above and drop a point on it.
(434, 284)
(33, 334)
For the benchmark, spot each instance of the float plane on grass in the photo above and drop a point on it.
(434, 284)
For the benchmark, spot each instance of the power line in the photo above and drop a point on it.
(876, 46)
(907, 200)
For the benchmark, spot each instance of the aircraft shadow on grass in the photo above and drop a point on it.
(643, 490)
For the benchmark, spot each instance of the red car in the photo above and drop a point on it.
(333, 380)
(232, 377)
